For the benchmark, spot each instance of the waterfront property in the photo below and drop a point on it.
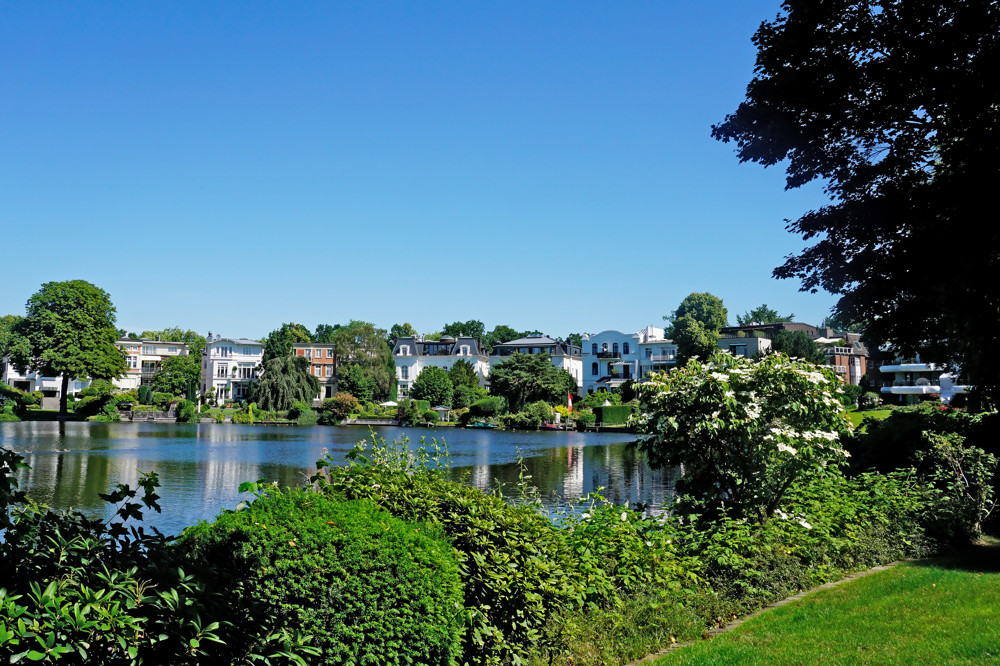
(228, 365)
(611, 358)
(562, 355)
(50, 387)
(144, 358)
(322, 365)
(910, 380)
(412, 355)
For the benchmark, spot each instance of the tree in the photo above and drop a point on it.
(355, 381)
(575, 339)
(527, 378)
(469, 329)
(195, 341)
(336, 409)
(463, 374)
(8, 334)
(840, 325)
(761, 315)
(743, 431)
(284, 381)
(894, 105)
(324, 333)
(433, 385)
(695, 325)
(401, 331)
(279, 341)
(797, 344)
(177, 374)
(362, 344)
(69, 330)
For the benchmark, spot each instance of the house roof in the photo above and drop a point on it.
(419, 346)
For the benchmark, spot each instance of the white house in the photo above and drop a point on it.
(51, 387)
(562, 355)
(228, 365)
(749, 346)
(144, 358)
(610, 358)
(413, 354)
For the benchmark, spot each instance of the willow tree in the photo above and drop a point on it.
(284, 381)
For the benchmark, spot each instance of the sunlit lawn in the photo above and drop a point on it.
(858, 417)
(942, 611)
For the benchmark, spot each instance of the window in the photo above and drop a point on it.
(604, 347)
(247, 351)
(738, 350)
(464, 351)
(308, 353)
(146, 349)
(329, 353)
(404, 350)
(624, 347)
(626, 371)
(222, 371)
(649, 353)
(172, 350)
(329, 370)
(593, 369)
(404, 372)
(593, 348)
(615, 348)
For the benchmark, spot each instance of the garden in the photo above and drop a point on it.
(386, 560)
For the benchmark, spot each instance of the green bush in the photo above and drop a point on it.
(336, 409)
(516, 567)
(186, 411)
(487, 407)
(598, 398)
(869, 400)
(851, 394)
(205, 408)
(161, 399)
(368, 587)
(145, 395)
(299, 409)
(585, 419)
(614, 415)
(430, 416)
(422, 405)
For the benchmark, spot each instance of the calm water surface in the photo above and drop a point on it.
(202, 465)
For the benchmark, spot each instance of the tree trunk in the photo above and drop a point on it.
(63, 398)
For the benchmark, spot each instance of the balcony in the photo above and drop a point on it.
(839, 369)
(608, 354)
(839, 351)
(661, 358)
(911, 367)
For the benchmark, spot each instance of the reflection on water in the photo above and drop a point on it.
(202, 465)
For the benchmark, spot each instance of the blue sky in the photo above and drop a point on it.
(232, 166)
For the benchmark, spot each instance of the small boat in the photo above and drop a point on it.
(552, 426)
(481, 424)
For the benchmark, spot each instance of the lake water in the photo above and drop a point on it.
(202, 465)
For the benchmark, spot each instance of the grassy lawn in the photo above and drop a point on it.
(941, 611)
(858, 417)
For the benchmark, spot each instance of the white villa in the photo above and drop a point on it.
(413, 354)
(611, 358)
(562, 355)
(144, 358)
(228, 365)
(51, 387)
(918, 378)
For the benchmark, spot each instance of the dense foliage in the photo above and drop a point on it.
(695, 325)
(284, 381)
(526, 378)
(367, 587)
(434, 385)
(177, 374)
(278, 342)
(892, 104)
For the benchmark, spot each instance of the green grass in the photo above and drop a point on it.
(877, 414)
(941, 611)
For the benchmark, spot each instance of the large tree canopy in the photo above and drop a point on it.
(526, 378)
(279, 341)
(762, 315)
(69, 330)
(894, 105)
(361, 343)
(177, 373)
(434, 385)
(695, 325)
(195, 341)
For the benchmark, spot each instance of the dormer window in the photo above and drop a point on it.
(463, 350)
(404, 350)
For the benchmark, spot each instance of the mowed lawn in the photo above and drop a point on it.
(941, 611)
(877, 414)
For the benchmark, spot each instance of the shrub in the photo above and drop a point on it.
(488, 407)
(869, 400)
(517, 569)
(186, 411)
(851, 394)
(462, 396)
(205, 408)
(368, 587)
(299, 409)
(585, 419)
(336, 409)
(145, 395)
(161, 399)
(430, 416)
(598, 398)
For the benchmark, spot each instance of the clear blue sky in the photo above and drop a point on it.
(233, 166)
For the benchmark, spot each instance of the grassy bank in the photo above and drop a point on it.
(939, 611)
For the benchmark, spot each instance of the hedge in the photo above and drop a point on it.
(370, 588)
(613, 415)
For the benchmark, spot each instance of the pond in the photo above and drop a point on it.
(202, 465)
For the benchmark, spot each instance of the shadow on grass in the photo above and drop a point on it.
(983, 557)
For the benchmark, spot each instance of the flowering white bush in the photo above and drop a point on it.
(743, 431)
